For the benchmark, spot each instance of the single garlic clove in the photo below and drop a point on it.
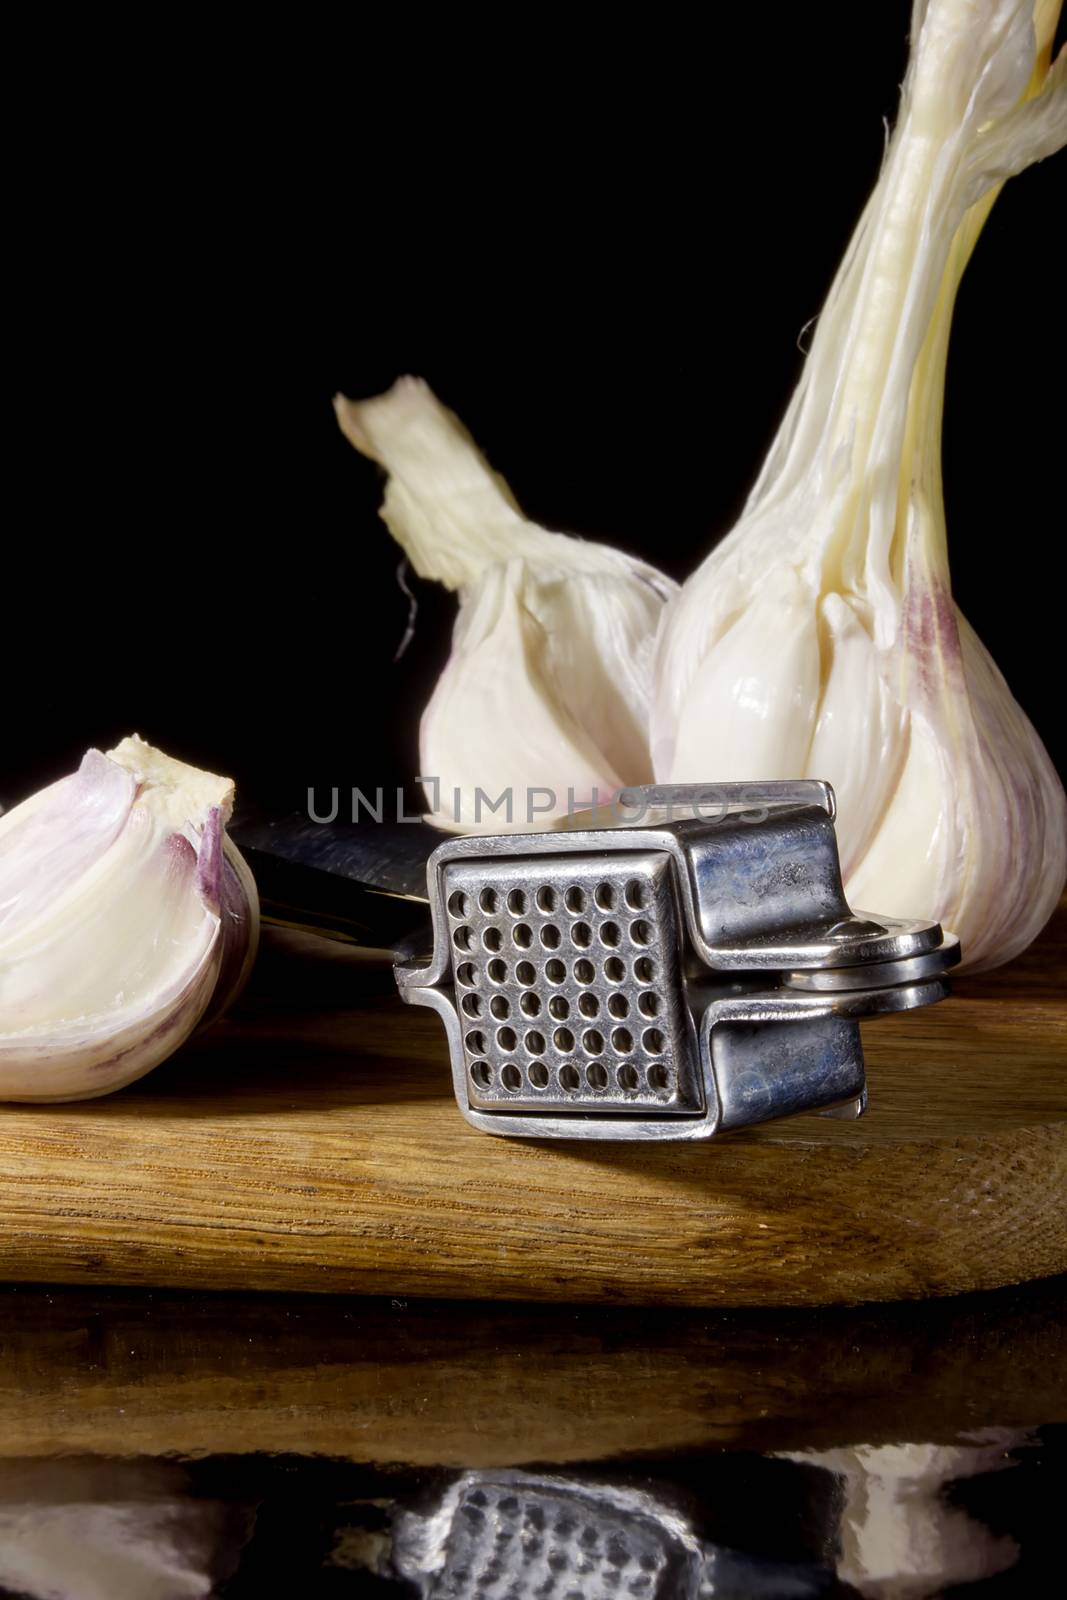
(756, 686)
(866, 753)
(125, 915)
(548, 685)
(500, 675)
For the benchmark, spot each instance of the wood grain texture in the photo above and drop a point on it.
(310, 1142)
(122, 1372)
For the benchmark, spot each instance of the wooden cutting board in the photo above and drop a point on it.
(311, 1142)
(120, 1372)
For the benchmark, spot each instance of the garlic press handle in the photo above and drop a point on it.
(709, 801)
(775, 1053)
(361, 883)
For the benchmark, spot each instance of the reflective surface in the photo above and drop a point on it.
(163, 1445)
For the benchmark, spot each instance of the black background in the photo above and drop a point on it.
(598, 240)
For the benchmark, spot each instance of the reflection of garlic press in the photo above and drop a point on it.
(671, 980)
(524, 1536)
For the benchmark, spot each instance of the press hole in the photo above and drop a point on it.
(465, 973)
(622, 1041)
(482, 1073)
(614, 970)
(535, 1043)
(644, 970)
(489, 900)
(627, 1076)
(522, 935)
(511, 1077)
(517, 903)
(592, 1042)
(641, 932)
(657, 1076)
(537, 1073)
(596, 1075)
(574, 900)
(648, 1005)
(530, 1005)
(563, 1039)
(472, 1005)
(550, 936)
(475, 1042)
(555, 971)
(505, 1038)
(498, 971)
(568, 1077)
(581, 935)
(525, 972)
(546, 900)
(609, 934)
(653, 1041)
(462, 938)
(499, 1007)
(588, 1005)
(584, 971)
(492, 938)
(458, 904)
(559, 1008)
(605, 897)
(636, 895)
(618, 1005)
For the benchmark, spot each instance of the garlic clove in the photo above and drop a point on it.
(549, 680)
(761, 708)
(866, 753)
(500, 675)
(123, 910)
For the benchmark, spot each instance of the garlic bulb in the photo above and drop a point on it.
(126, 918)
(820, 637)
(546, 696)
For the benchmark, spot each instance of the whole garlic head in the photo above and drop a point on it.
(820, 638)
(549, 681)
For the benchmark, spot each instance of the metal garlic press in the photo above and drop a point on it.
(692, 970)
(674, 979)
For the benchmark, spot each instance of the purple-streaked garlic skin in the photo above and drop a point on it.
(113, 861)
(56, 833)
(238, 929)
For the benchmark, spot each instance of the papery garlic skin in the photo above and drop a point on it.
(549, 682)
(126, 917)
(820, 637)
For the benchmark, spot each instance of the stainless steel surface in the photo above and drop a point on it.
(388, 857)
(570, 989)
(669, 981)
(708, 802)
(873, 974)
(362, 883)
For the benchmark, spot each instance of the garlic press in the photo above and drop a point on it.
(693, 970)
(668, 980)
